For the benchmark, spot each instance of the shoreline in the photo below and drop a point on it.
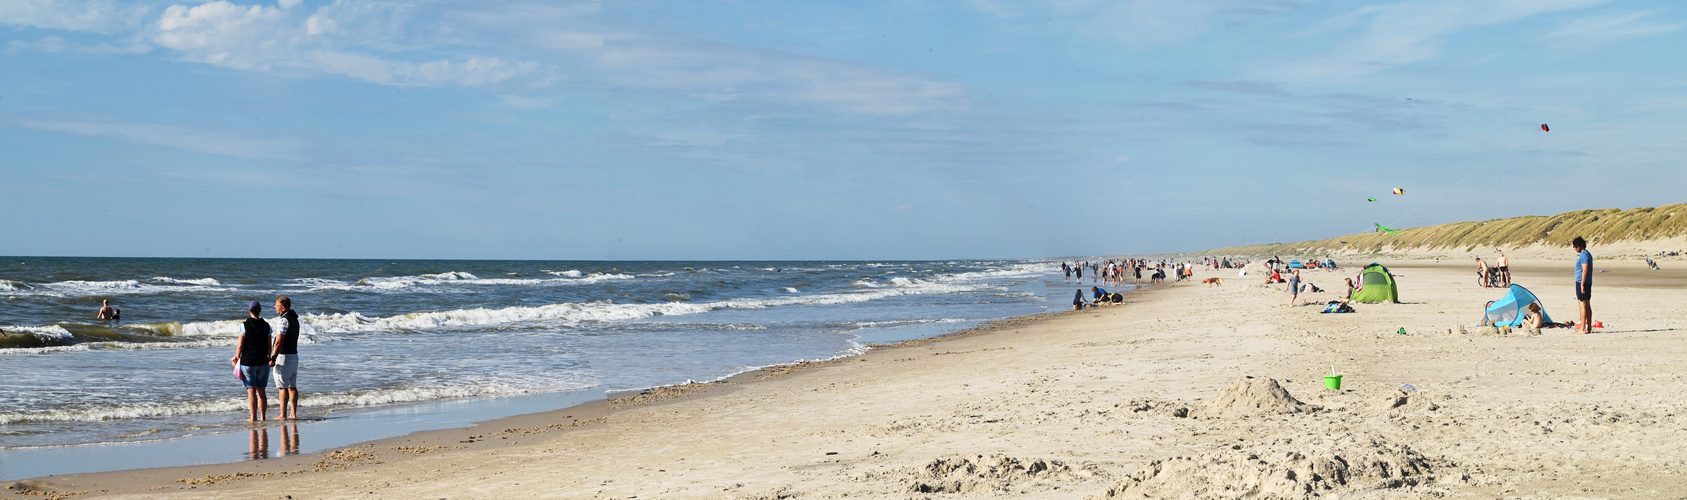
(1177, 393)
(590, 412)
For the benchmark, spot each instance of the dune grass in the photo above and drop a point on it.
(1600, 227)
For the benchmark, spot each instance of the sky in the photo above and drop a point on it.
(866, 129)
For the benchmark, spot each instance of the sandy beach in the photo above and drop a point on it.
(1186, 391)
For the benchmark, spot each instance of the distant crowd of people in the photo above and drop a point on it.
(1112, 272)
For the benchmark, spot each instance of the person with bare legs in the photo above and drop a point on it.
(257, 447)
(284, 359)
(1504, 268)
(1584, 286)
(290, 439)
(1294, 288)
(251, 357)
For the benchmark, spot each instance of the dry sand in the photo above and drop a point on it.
(1148, 400)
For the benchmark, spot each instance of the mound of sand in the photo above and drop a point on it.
(1285, 468)
(1252, 396)
(1397, 402)
(1155, 407)
(990, 473)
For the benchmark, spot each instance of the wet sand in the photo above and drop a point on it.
(1150, 398)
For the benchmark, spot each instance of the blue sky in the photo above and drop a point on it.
(816, 130)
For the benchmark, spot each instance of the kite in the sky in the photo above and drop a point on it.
(1384, 229)
(1399, 190)
(1370, 199)
(1544, 129)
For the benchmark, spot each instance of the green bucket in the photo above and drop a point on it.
(1332, 382)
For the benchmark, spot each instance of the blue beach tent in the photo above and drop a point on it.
(1329, 263)
(1509, 310)
(1295, 264)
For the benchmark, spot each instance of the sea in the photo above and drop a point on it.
(384, 334)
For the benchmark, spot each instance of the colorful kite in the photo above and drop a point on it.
(1399, 190)
(1544, 129)
(1370, 199)
(1384, 229)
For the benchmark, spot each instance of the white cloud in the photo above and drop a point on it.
(632, 59)
(213, 142)
(59, 44)
(1138, 23)
(281, 40)
(1409, 32)
(724, 73)
(97, 16)
(1591, 32)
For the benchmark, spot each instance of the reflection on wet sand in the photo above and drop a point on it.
(258, 448)
(289, 439)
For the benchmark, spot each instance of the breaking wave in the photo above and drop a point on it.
(465, 389)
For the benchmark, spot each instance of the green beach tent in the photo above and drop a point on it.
(1376, 284)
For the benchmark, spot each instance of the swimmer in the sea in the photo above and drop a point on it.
(106, 312)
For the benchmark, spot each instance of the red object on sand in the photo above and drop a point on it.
(1599, 324)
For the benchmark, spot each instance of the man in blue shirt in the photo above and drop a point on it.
(1584, 286)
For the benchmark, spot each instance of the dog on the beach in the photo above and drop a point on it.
(1213, 281)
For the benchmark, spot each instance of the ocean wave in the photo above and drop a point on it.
(460, 278)
(220, 333)
(62, 337)
(15, 285)
(570, 313)
(176, 281)
(25, 337)
(319, 282)
(373, 397)
(161, 284)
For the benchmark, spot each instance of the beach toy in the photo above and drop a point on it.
(1599, 324)
(1332, 381)
(1402, 330)
(1408, 387)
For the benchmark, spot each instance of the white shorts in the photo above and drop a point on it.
(286, 372)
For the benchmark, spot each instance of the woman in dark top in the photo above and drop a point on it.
(251, 357)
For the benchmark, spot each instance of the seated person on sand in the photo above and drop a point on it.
(1532, 319)
(1078, 300)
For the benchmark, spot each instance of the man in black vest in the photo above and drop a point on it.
(284, 357)
(251, 358)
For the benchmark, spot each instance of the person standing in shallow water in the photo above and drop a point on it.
(284, 358)
(251, 357)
